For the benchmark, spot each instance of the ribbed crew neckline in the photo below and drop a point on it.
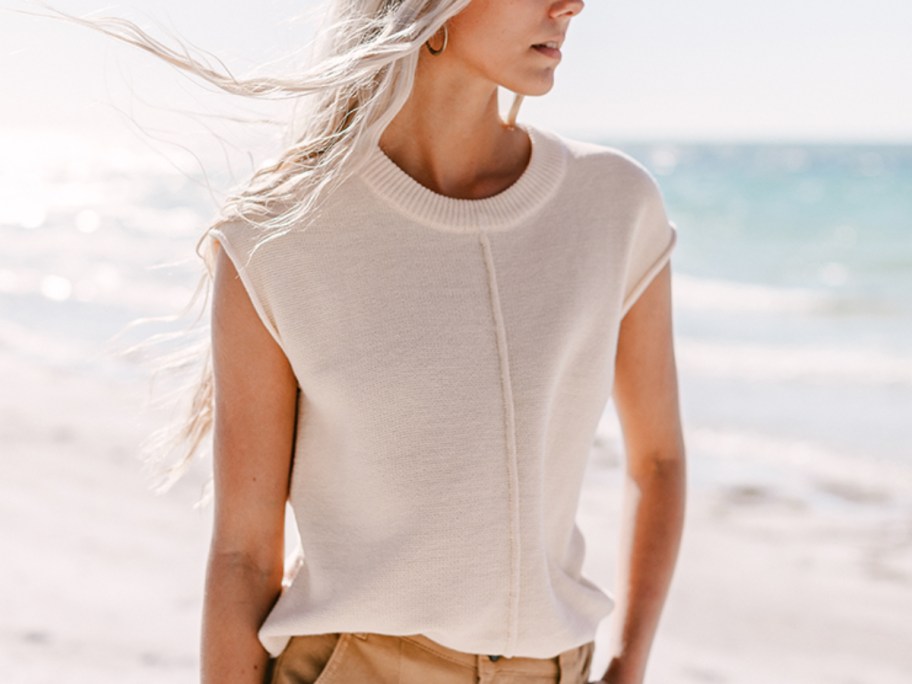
(507, 209)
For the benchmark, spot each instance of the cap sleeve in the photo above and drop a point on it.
(239, 241)
(651, 245)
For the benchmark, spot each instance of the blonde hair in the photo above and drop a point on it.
(361, 73)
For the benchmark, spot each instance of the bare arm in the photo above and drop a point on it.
(646, 397)
(255, 408)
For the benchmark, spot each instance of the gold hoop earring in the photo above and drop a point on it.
(446, 36)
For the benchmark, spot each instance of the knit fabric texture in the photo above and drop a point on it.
(454, 358)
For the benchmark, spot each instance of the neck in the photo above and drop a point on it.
(450, 137)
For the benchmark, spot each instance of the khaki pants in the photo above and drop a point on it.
(356, 658)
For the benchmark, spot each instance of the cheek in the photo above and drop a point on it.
(493, 37)
(487, 27)
(487, 49)
(475, 48)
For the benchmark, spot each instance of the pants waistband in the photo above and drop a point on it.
(541, 666)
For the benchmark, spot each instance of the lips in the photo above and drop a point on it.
(547, 50)
(554, 42)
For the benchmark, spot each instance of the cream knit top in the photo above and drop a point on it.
(454, 358)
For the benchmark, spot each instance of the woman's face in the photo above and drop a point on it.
(495, 39)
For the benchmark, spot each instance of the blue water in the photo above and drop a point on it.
(794, 320)
(836, 220)
(792, 286)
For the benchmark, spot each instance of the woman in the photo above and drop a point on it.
(418, 361)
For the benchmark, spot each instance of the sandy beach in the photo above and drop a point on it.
(103, 579)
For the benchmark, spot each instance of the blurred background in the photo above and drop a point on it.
(781, 135)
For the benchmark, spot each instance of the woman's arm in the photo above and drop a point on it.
(646, 398)
(255, 410)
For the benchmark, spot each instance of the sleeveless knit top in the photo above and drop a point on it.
(454, 358)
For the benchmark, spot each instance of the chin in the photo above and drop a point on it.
(530, 88)
(535, 91)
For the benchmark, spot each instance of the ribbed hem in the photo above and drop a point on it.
(539, 182)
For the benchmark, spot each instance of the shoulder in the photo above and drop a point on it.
(615, 164)
(234, 237)
(604, 176)
(251, 239)
(605, 168)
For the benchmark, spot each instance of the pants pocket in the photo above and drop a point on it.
(576, 665)
(309, 659)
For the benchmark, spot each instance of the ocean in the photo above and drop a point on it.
(792, 281)
(793, 310)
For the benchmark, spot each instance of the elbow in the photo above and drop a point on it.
(264, 572)
(660, 464)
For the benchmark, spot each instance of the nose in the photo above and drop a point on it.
(567, 7)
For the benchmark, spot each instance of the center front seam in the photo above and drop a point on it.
(510, 433)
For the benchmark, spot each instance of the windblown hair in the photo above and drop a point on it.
(361, 73)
